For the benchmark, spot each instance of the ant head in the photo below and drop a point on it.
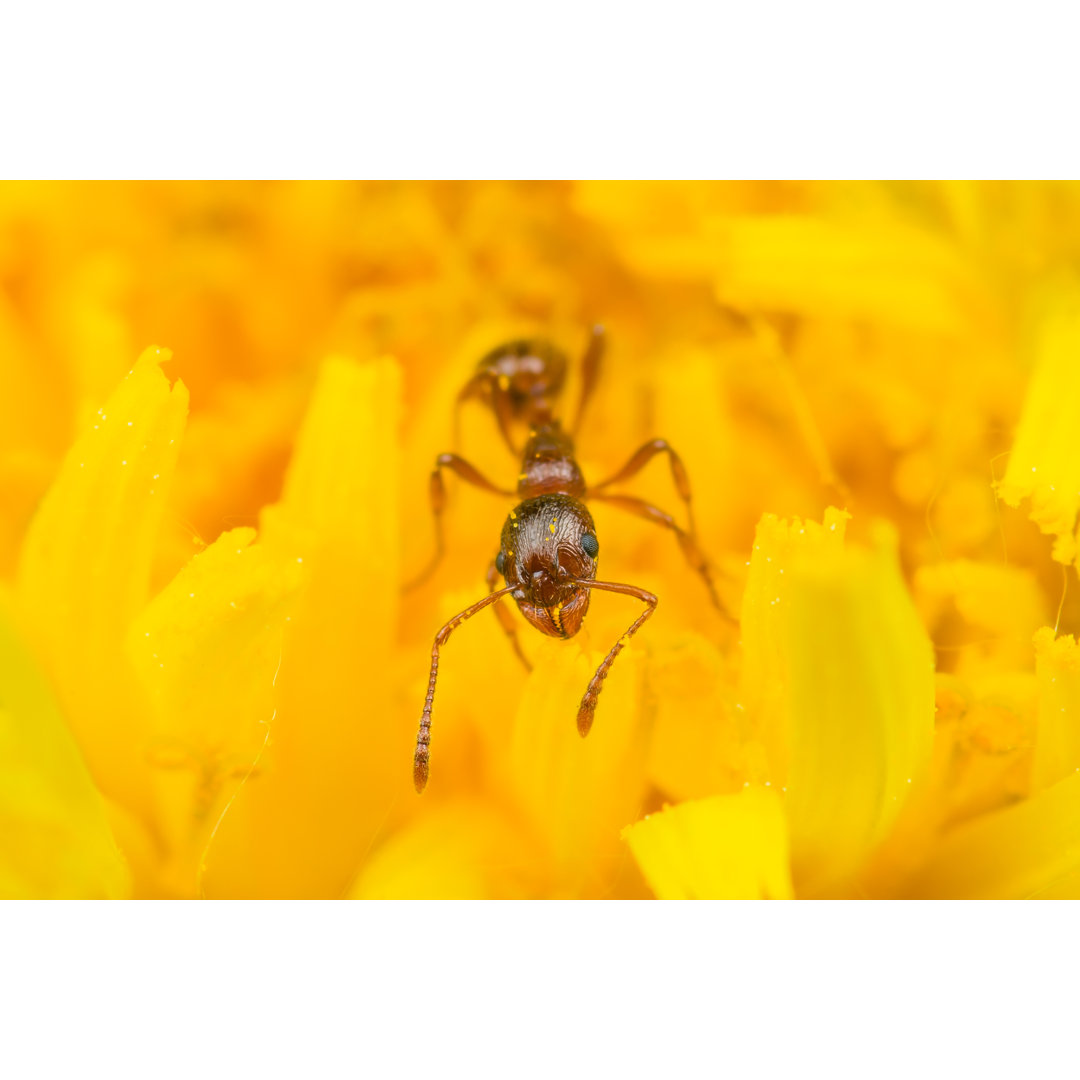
(549, 547)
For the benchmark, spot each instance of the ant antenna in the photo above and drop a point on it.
(421, 759)
(587, 709)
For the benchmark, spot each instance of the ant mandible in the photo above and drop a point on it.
(548, 551)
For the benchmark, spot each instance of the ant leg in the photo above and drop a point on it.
(588, 703)
(641, 458)
(469, 392)
(505, 618)
(590, 371)
(500, 400)
(470, 475)
(421, 758)
(500, 404)
(694, 555)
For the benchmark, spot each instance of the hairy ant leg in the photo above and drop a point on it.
(422, 756)
(642, 456)
(694, 555)
(590, 372)
(460, 467)
(505, 618)
(587, 709)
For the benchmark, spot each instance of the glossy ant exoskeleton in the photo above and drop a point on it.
(548, 552)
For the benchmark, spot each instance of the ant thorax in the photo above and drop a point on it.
(544, 558)
(548, 464)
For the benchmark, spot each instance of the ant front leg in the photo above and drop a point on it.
(642, 456)
(694, 555)
(437, 488)
(506, 620)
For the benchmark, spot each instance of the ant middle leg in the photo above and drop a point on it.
(506, 620)
(687, 541)
(437, 489)
(500, 403)
(642, 456)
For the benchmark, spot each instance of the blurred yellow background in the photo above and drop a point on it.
(219, 406)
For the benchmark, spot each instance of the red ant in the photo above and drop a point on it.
(548, 551)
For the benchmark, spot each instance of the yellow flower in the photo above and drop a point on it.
(219, 408)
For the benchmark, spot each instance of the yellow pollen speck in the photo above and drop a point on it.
(551, 527)
(513, 516)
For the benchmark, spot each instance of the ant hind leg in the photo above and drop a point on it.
(590, 372)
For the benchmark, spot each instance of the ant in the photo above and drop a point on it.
(548, 550)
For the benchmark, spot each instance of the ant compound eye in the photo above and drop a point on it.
(590, 545)
(500, 563)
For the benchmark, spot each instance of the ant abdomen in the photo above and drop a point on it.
(520, 381)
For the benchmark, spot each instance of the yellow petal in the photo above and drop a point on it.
(981, 762)
(997, 598)
(207, 650)
(854, 697)
(54, 838)
(1028, 849)
(986, 729)
(875, 269)
(696, 747)
(85, 567)
(208, 644)
(1002, 605)
(464, 850)
(336, 769)
(690, 409)
(728, 847)
(776, 544)
(576, 793)
(1057, 741)
(817, 267)
(33, 433)
(1044, 465)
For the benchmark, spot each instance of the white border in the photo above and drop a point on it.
(545, 990)
(465, 88)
